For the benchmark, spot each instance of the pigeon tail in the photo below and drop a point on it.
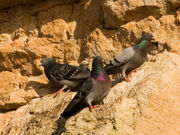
(117, 81)
(68, 112)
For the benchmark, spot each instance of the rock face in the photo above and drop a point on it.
(73, 31)
(149, 103)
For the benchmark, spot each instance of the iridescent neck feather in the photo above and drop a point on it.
(142, 44)
(99, 74)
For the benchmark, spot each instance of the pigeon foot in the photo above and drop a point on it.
(59, 91)
(93, 107)
(132, 72)
(129, 75)
(127, 79)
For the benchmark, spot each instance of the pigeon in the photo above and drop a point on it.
(92, 92)
(68, 76)
(130, 58)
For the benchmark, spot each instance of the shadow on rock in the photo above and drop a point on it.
(61, 122)
(41, 89)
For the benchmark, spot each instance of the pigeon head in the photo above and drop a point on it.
(45, 61)
(98, 71)
(145, 39)
(98, 61)
(147, 36)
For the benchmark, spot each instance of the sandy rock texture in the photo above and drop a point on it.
(148, 104)
(72, 32)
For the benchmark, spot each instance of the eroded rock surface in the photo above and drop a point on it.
(141, 106)
(73, 32)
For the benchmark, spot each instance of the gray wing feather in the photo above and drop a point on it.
(81, 72)
(123, 57)
(82, 75)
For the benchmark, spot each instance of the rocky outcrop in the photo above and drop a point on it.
(143, 106)
(73, 31)
(120, 12)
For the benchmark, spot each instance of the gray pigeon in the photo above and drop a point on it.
(68, 76)
(130, 58)
(92, 92)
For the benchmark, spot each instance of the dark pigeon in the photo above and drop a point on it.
(130, 58)
(92, 92)
(68, 76)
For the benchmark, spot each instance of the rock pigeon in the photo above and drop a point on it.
(92, 92)
(68, 76)
(130, 58)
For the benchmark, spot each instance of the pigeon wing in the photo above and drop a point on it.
(77, 103)
(81, 72)
(123, 57)
(62, 71)
(69, 72)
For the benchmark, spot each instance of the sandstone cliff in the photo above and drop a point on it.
(72, 31)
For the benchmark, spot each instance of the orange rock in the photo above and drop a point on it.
(16, 90)
(54, 22)
(5, 119)
(72, 32)
(161, 115)
(148, 104)
(11, 84)
(120, 12)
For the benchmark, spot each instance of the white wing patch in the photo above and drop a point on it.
(123, 57)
